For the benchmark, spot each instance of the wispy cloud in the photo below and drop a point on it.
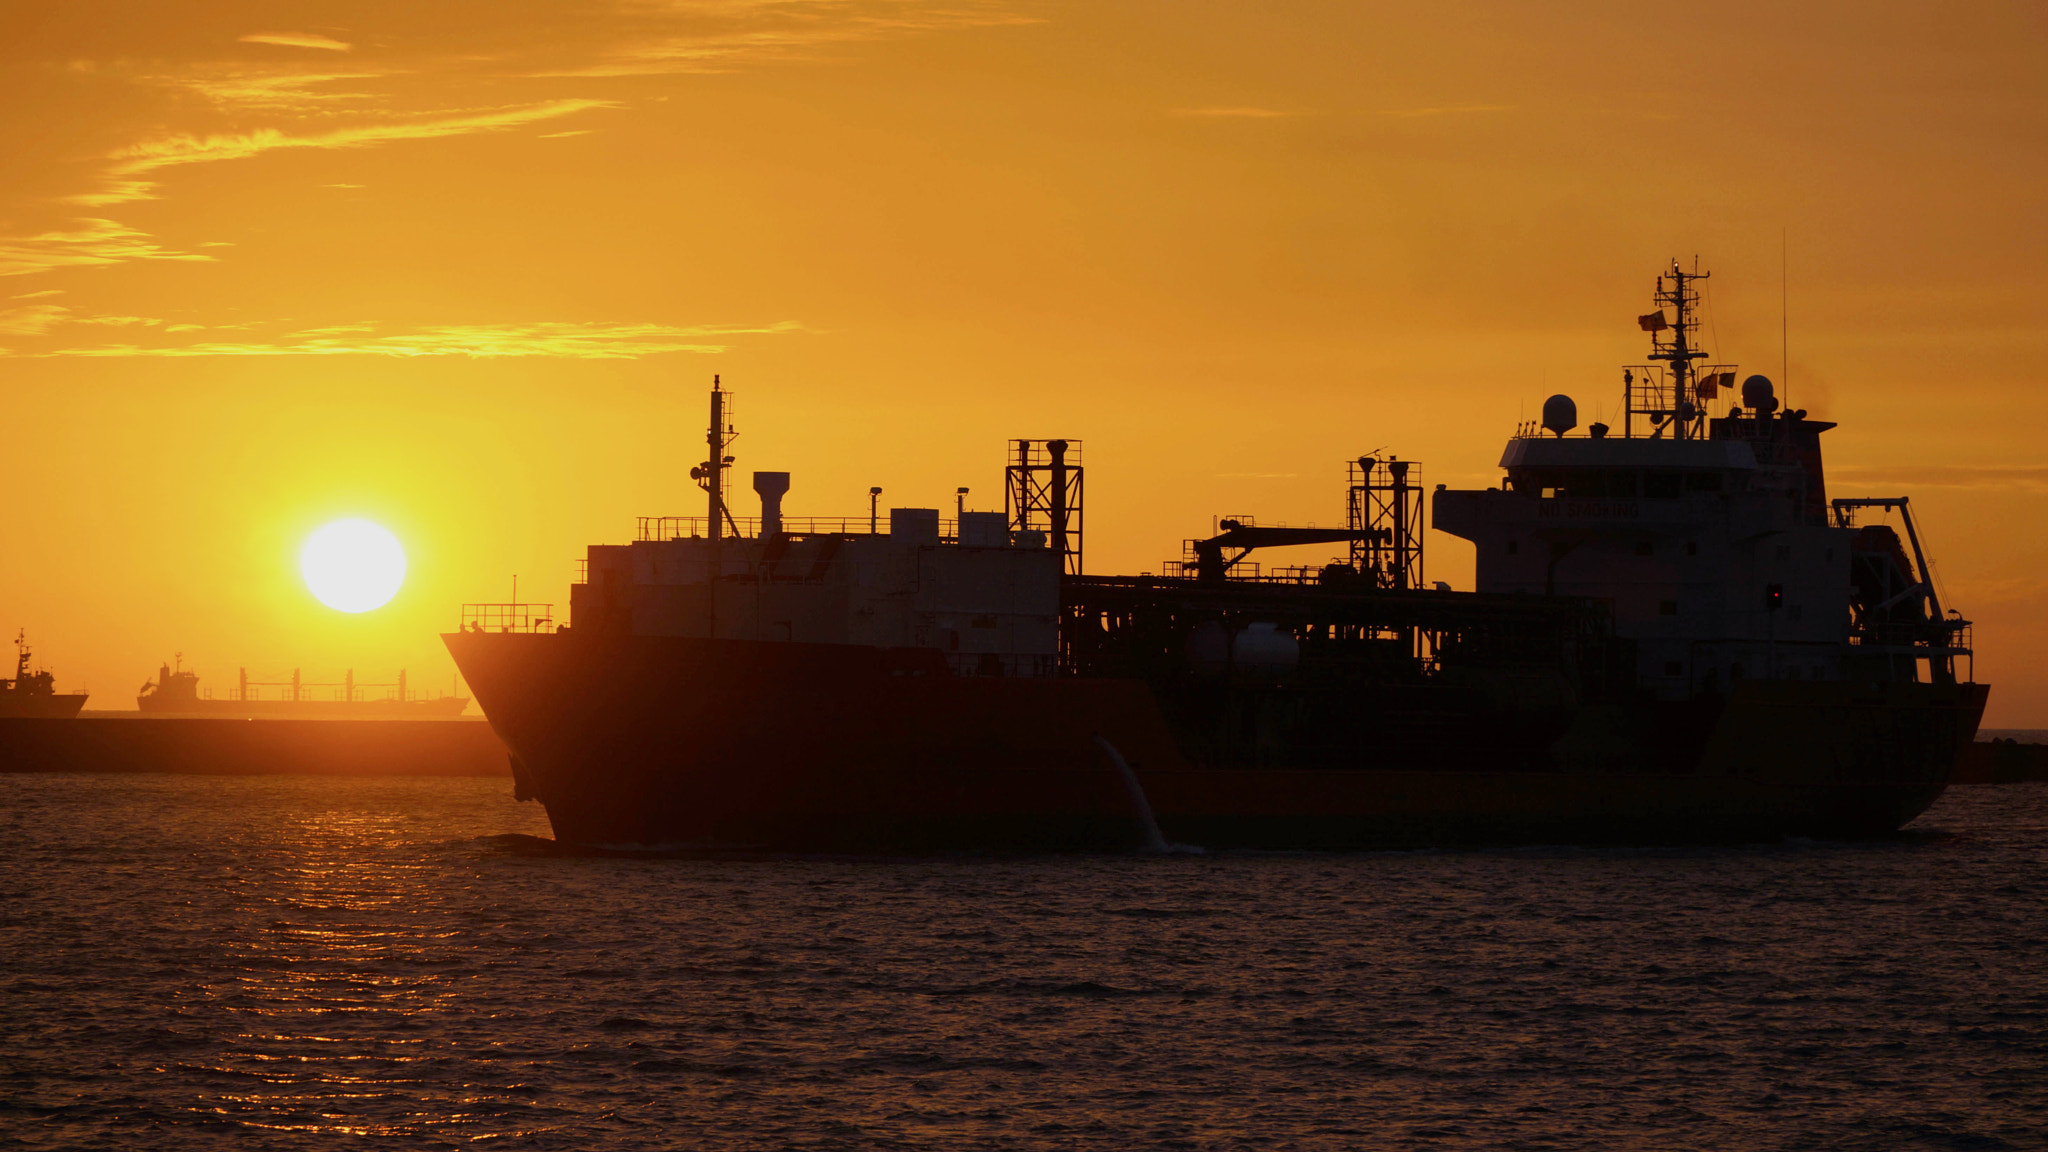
(37, 319)
(1978, 594)
(32, 320)
(44, 292)
(89, 242)
(1238, 111)
(289, 101)
(262, 90)
(2023, 477)
(762, 30)
(153, 155)
(1450, 109)
(580, 341)
(296, 40)
(334, 330)
(119, 321)
(115, 192)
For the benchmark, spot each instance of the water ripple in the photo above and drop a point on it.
(187, 959)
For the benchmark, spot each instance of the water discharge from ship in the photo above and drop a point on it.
(1141, 806)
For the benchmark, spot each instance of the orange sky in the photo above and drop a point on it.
(465, 269)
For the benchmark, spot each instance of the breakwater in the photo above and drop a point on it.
(222, 747)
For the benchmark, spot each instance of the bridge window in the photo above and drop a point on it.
(1673, 668)
(1535, 479)
(1703, 481)
(1587, 485)
(1661, 485)
(1600, 484)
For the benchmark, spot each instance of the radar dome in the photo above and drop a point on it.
(1757, 394)
(1560, 415)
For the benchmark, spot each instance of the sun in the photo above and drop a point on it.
(352, 565)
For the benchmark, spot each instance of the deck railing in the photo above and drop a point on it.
(699, 527)
(508, 617)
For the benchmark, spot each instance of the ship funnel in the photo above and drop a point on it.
(1758, 394)
(1560, 415)
(771, 486)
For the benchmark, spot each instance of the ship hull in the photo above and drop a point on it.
(736, 745)
(444, 708)
(40, 707)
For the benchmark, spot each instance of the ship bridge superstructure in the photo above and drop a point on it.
(1713, 536)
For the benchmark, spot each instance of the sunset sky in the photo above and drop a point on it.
(465, 269)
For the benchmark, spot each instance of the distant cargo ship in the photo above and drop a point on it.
(175, 692)
(34, 694)
(1675, 635)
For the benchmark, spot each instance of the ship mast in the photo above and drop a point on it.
(1676, 290)
(714, 470)
(711, 474)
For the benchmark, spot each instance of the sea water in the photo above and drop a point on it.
(196, 962)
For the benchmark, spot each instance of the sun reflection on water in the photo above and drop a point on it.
(344, 963)
(191, 960)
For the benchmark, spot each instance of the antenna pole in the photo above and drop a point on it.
(715, 471)
(714, 485)
(1681, 363)
(1784, 321)
(1679, 353)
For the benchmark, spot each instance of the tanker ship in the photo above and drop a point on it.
(175, 692)
(1674, 635)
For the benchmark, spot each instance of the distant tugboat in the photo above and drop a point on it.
(175, 692)
(34, 694)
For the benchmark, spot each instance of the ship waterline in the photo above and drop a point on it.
(711, 744)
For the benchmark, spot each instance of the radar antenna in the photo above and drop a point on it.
(1672, 401)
